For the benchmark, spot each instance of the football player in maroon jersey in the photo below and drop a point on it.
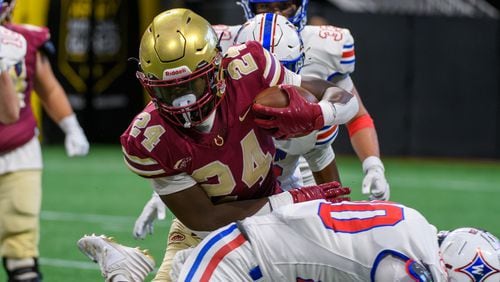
(20, 154)
(200, 139)
(329, 54)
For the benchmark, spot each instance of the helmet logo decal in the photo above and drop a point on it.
(478, 269)
(175, 73)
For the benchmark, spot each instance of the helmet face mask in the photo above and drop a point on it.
(278, 35)
(294, 10)
(285, 8)
(184, 102)
(470, 254)
(179, 59)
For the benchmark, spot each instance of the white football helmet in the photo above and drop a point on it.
(276, 34)
(470, 254)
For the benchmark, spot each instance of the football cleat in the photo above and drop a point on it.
(116, 260)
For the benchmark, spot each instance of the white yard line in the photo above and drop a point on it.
(68, 263)
(75, 264)
(83, 217)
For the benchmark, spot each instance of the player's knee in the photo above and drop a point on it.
(21, 218)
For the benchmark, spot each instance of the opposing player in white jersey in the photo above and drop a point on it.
(281, 38)
(348, 241)
(329, 54)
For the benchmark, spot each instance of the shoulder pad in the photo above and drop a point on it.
(35, 35)
(330, 47)
(13, 47)
(256, 64)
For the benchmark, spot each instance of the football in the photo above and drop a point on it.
(277, 98)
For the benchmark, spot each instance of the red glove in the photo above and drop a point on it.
(329, 191)
(299, 118)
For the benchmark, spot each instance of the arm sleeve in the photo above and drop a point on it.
(171, 184)
(292, 78)
(344, 82)
(319, 157)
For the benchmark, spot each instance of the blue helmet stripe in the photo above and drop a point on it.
(267, 31)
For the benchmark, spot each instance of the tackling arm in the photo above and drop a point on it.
(301, 117)
(337, 105)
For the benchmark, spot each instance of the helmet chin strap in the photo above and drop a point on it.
(183, 101)
(207, 124)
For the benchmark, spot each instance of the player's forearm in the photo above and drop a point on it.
(365, 143)
(338, 106)
(56, 105)
(327, 174)
(215, 216)
(195, 209)
(9, 101)
(323, 89)
(362, 132)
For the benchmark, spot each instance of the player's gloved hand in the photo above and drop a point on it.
(154, 209)
(374, 182)
(75, 142)
(13, 48)
(331, 191)
(300, 117)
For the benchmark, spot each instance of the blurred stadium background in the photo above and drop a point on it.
(428, 72)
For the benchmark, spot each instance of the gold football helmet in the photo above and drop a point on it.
(179, 58)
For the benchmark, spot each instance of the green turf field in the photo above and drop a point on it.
(98, 194)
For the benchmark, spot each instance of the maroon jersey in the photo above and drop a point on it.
(17, 134)
(233, 161)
